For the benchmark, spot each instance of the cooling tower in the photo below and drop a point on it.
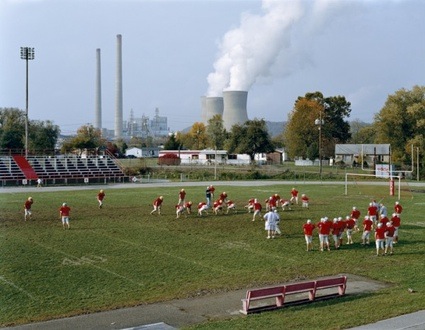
(118, 90)
(234, 108)
(214, 106)
(204, 109)
(98, 102)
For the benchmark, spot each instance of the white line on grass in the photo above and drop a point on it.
(16, 287)
(91, 264)
(165, 253)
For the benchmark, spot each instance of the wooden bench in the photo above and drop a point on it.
(263, 294)
(280, 292)
(334, 282)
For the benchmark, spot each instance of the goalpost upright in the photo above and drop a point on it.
(374, 175)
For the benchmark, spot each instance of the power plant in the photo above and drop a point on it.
(118, 90)
(98, 102)
(234, 108)
(213, 106)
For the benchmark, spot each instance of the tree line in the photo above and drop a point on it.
(400, 123)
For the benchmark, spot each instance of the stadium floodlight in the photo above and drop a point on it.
(27, 54)
(319, 123)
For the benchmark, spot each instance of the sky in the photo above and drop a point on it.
(176, 51)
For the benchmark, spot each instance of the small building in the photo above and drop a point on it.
(362, 154)
(145, 152)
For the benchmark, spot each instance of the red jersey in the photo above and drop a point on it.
(218, 203)
(355, 214)
(398, 208)
(380, 232)
(389, 231)
(188, 205)
(212, 189)
(272, 202)
(182, 194)
(223, 196)
(336, 229)
(308, 229)
(64, 211)
(396, 221)
(257, 207)
(304, 199)
(350, 223)
(372, 210)
(28, 204)
(294, 193)
(101, 196)
(201, 204)
(324, 227)
(367, 224)
(157, 202)
(384, 220)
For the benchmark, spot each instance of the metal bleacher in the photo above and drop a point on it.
(63, 169)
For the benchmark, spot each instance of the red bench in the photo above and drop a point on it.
(280, 292)
(263, 294)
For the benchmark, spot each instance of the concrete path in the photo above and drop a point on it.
(176, 313)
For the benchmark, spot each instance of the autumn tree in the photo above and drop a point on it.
(43, 136)
(250, 138)
(301, 135)
(401, 122)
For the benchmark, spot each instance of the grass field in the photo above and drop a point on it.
(122, 256)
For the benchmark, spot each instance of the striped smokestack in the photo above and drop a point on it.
(235, 111)
(118, 90)
(98, 102)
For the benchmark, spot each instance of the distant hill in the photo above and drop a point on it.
(275, 127)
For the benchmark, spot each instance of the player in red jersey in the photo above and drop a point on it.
(324, 227)
(218, 206)
(27, 208)
(372, 212)
(355, 214)
(157, 204)
(223, 197)
(350, 223)
(257, 209)
(304, 201)
(398, 208)
(250, 205)
(285, 204)
(396, 221)
(272, 203)
(367, 228)
(231, 206)
(182, 196)
(100, 198)
(380, 238)
(202, 207)
(294, 196)
(64, 212)
(308, 228)
(389, 237)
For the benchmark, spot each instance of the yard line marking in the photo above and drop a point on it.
(166, 253)
(2, 278)
(91, 264)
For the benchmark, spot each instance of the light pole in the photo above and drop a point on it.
(27, 54)
(319, 123)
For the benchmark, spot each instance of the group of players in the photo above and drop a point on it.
(64, 210)
(376, 220)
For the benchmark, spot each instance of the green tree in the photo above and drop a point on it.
(250, 138)
(43, 136)
(361, 132)
(87, 137)
(401, 122)
(12, 128)
(172, 143)
(216, 132)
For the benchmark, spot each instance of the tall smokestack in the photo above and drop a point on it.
(118, 90)
(214, 106)
(235, 111)
(98, 102)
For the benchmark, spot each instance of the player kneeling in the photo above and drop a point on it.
(250, 205)
(286, 205)
(218, 206)
(202, 207)
(231, 206)
(180, 209)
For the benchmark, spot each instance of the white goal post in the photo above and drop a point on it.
(391, 181)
